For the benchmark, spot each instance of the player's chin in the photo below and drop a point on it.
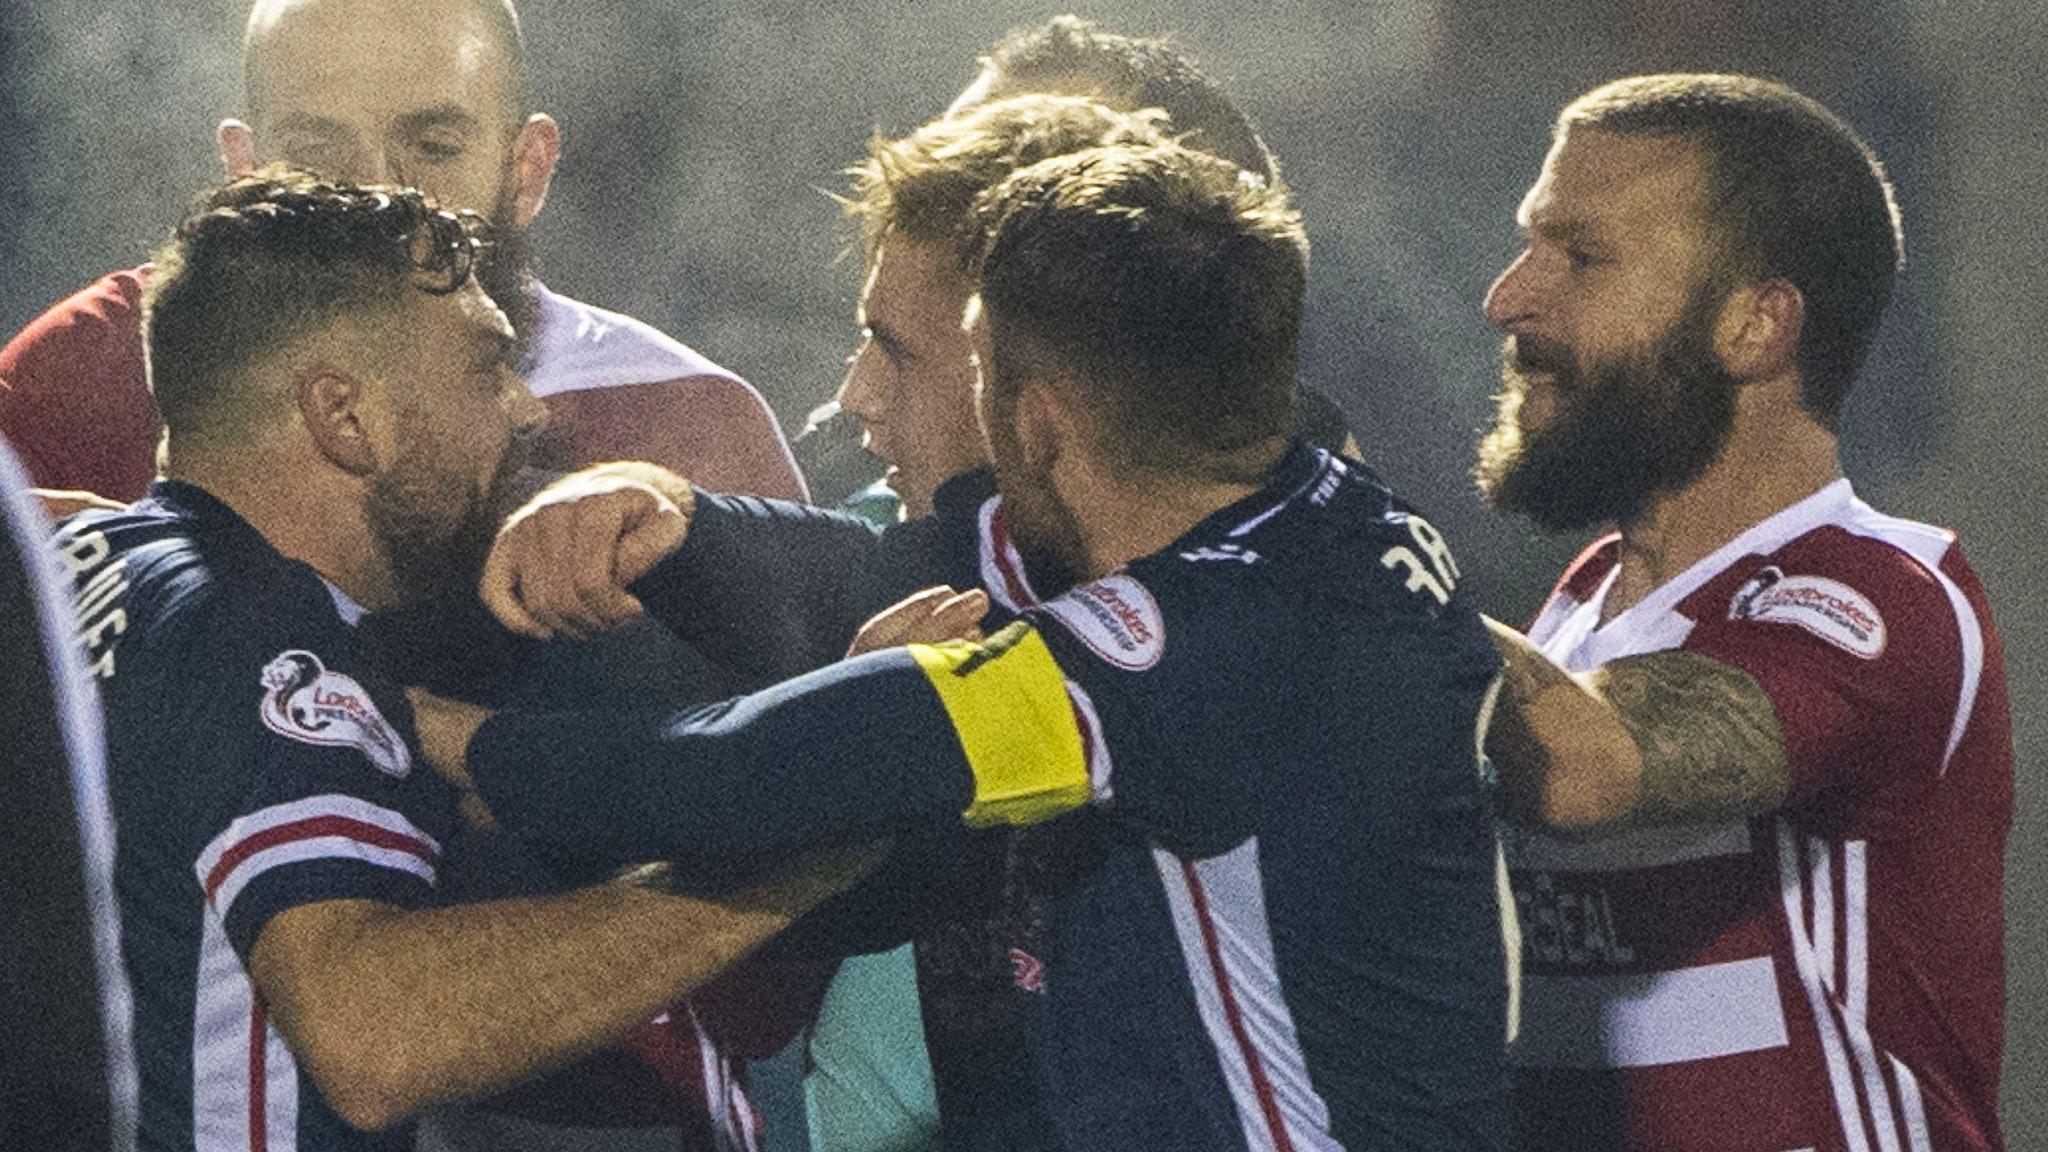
(911, 487)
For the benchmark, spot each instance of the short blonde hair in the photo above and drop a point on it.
(923, 186)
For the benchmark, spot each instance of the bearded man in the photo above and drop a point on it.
(433, 95)
(342, 417)
(430, 95)
(1788, 751)
(1257, 653)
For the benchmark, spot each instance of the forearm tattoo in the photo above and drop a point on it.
(1711, 744)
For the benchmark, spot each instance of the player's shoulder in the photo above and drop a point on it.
(113, 299)
(107, 311)
(1330, 532)
(189, 579)
(1864, 581)
(1327, 548)
(1314, 502)
(578, 347)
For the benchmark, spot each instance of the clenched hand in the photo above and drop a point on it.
(562, 562)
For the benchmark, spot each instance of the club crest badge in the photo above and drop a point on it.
(304, 701)
(1829, 609)
(1117, 618)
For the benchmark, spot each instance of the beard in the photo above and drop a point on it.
(1623, 432)
(507, 273)
(435, 526)
(1040, 522)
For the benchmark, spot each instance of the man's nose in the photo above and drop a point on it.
(858, 393)
(1511, 299)
(381, 166)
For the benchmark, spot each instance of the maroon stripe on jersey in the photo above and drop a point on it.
(314, 828)
(1587, 571)
(1261, 1084)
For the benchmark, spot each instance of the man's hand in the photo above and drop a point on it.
(1657, 739)
(1565, 759)
(61, 502)
(562, 562)
(932, 616)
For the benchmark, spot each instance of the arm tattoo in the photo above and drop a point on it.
(1711, 743)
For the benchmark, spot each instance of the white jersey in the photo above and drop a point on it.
(578, 347)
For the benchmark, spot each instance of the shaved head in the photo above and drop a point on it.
(345, 27)
(424, 94)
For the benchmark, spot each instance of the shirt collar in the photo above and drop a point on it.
(191, 502)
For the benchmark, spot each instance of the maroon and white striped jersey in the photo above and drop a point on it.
(1829, 977)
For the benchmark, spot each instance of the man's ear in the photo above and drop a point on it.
(237, 148)
(332, 404)
(535, 153)
(1758, 334)
(1046, 426)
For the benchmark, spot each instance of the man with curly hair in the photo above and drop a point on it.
(342, 416)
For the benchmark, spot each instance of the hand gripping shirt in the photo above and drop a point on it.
(1828, 977)
(1275, 926)
(256, 766)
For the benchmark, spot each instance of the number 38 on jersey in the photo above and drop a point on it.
(1428, 564)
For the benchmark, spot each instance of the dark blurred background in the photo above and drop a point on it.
(701, 137)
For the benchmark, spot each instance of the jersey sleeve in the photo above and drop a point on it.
(324, 799)
(1152, 666)
(765, 588)
(888, 743)
(1217, 701)
(74, 398)
(1860, 650)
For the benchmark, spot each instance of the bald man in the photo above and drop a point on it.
(429, 93)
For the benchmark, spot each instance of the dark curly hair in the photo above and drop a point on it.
(273, 256)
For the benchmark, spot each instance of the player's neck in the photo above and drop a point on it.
(1122, 518)
(1772, 460)
(337, 543)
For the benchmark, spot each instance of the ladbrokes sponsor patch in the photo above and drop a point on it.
(1827, 608)
(1117, 618)
(306, 702)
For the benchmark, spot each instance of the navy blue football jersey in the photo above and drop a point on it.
(256, 765)
(1276, 925)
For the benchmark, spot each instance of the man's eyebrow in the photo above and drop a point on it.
(1563, 229)
(308, 122)
(439, 116)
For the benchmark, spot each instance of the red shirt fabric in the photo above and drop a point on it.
(74, 400)
(1828, 977)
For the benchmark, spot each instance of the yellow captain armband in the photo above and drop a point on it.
(1008, 703)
